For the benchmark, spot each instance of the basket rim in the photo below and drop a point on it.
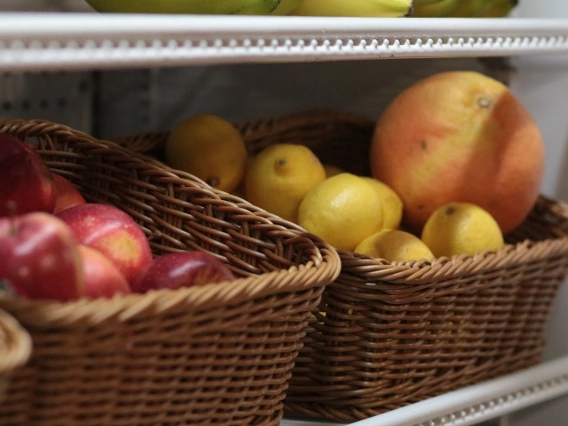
(422, 271)
(49, 313)
(19, 348)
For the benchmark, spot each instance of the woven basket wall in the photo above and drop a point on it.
(217, 354)
(387, 335)
(15, 349)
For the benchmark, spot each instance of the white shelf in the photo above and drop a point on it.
(475, 404)
(63, 41)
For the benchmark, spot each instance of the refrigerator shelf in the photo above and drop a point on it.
(472, 405)
(64, 41)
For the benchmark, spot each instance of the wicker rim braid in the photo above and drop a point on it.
(15, 343)
(389, 334)
(217, 353)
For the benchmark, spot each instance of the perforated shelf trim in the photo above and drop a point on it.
(86, 41)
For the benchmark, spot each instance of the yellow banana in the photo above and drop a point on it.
(422, 3)
(470, 8)
(371, 8)
(214, 7)
(500, 9)
(286, 7)
(435, 10)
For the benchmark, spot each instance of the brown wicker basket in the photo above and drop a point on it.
(15, 349)
(387, 335)
(217, 354)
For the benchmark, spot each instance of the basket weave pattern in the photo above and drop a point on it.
(203, 355)
(387, 335)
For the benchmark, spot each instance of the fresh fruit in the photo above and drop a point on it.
(343, 210)
(66, 194)
(209, 7)
(391, 202)
(210, 148)
(395, 246)
(434, 9)
(185, 269)
(26, 185)
(40, 258)
(459, 136)
(102, 278)
(112, 232)
(331, 170)
(461, 228)
(470, 8)
(286, 7)
(500, 8)
(280, 176)
(372, 8)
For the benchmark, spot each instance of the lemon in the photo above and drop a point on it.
(392, 204)
(461, 228)
(395, 246)
(280, 176)
(343, 210)
(209, 148)
(331, 170)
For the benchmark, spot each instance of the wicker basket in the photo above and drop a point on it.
(217, 354)
(387, 335)
(15, 349)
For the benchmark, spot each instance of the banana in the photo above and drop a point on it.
(370, 8)
(470, 8)
(500, 9)
(422, 3)
(213, 7)
(435, 10)
(286, 7)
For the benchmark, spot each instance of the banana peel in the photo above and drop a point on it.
(435, 10)
(286, 7)
(355, 8)
(209, 7)
(500, 9)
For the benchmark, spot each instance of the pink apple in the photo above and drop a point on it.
(102, 278)
(112, 232)
(40, 257)
(66, 194)
(186, 269)
(26, 185)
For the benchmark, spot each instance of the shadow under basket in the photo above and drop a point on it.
(386, 335)
(216, 354)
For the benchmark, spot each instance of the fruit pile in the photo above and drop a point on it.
(456, 163)
(54, 245)
(356, 8)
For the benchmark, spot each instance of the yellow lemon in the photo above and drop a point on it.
(392, 204)
(209, 148)
(461, 228)
(395, 246)
(343, 210)
(331, 170)
(280, 176)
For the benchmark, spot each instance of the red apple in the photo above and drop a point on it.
(112, 232)
(40, 257)
(102, 278)
(186, 269)
(66, 194)
(26, 185)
